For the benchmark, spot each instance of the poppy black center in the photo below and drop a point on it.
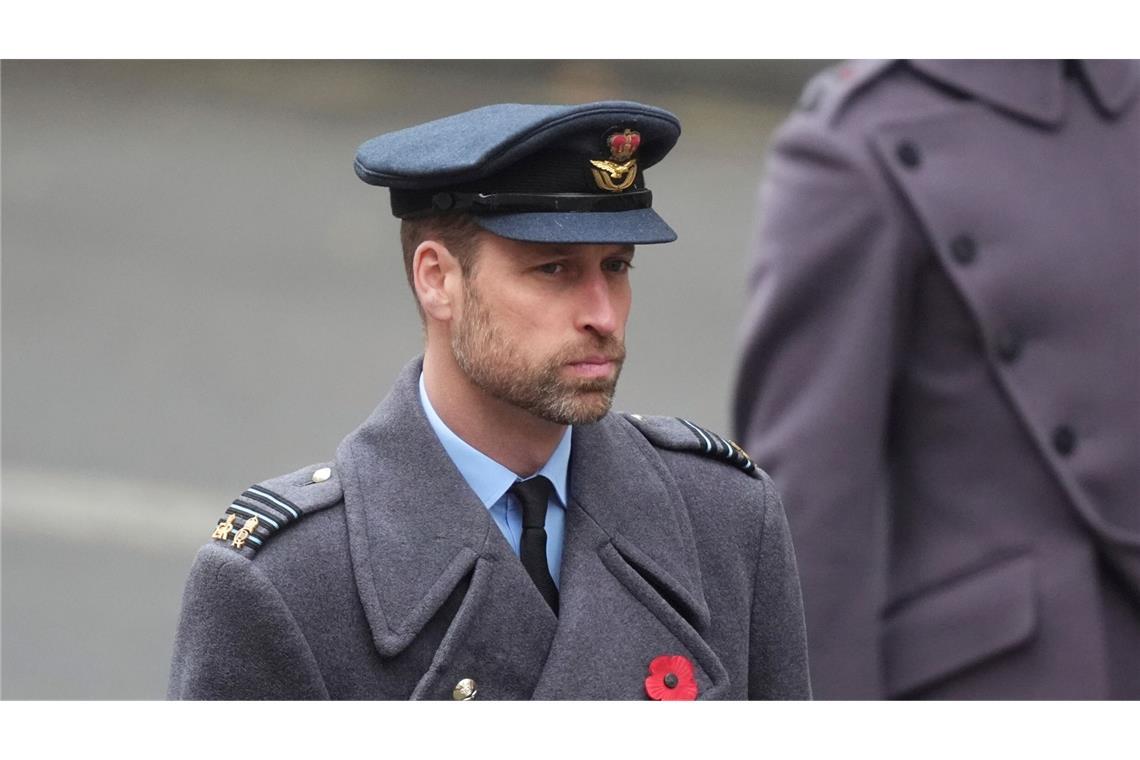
(671, 681)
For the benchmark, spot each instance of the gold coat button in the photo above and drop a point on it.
(464, 691)
(321, 475)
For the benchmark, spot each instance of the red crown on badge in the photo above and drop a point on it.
(623, 145)
(620, 171)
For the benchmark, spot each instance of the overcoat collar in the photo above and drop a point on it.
(411, 516)
(1034, 89)
(417, 531)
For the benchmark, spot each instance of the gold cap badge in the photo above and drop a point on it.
(620, 171)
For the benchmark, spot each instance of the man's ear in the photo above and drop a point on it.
(438, 279)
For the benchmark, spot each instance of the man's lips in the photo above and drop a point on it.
(593, 366)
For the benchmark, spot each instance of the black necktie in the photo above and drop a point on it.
(533, 495)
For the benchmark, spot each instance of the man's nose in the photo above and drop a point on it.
(597, 310)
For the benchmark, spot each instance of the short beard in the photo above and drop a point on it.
(494, 365)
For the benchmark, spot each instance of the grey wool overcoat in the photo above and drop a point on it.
(390, 580)
(941, 372)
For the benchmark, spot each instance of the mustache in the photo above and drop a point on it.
(609, 348)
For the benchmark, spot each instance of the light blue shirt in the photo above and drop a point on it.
(490, 481)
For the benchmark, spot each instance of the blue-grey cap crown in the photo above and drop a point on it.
(474, 144)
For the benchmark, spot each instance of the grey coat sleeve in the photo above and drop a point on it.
(821, 340)
(236, 638)
(777, 662)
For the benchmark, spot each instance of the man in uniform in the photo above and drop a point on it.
(492, 531)
(941, 370)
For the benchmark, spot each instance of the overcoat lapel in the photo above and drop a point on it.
(631, 588)
(416, 533)
(419, 537)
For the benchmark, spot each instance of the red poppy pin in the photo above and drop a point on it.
(671, 678)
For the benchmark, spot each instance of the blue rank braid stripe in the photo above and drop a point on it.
(273, 512)
(680, 434)
(268, 497)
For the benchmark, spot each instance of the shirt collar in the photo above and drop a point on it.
(487, 478)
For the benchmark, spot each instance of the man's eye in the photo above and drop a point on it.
(618, 265)
(552, 268)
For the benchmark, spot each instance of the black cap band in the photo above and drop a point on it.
(412, 204)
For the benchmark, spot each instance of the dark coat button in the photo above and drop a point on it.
(1008, 346)
(964, 250)
(908, 154)
(1064, 440)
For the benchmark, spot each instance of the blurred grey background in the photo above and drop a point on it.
(198, 293)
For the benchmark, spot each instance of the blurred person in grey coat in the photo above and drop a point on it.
(493, 531)
(941, 371)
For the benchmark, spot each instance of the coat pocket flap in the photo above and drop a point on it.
(959, 624)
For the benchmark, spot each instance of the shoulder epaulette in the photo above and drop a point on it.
(265, 509)
(830, 90)
(677, 434)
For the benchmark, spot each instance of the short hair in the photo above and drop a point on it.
(459, 232)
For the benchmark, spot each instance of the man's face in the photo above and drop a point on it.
(542, 326)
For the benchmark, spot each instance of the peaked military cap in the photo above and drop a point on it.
(538, 173)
